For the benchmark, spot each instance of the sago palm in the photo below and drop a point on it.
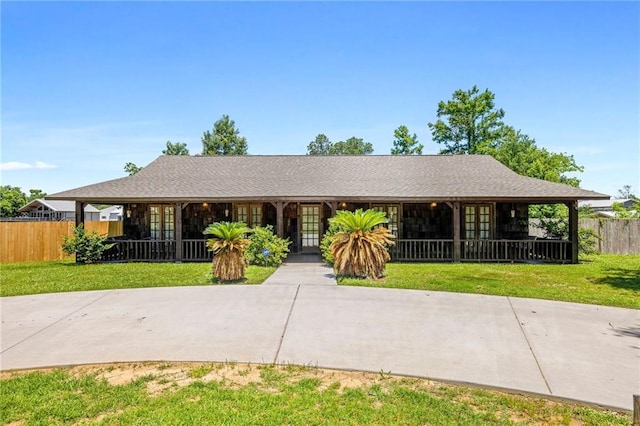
(228, 243)
(360, 248)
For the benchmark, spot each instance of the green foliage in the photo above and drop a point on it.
(266, 248)
(177, 148)
(87, 246)
(626, 193)
(405, 144)
(587, 241)
(131, 169)
(352, 146)
(12, 199)
(632, 212)
(225, 139)
(228, 244)
(360, 248)
(327, 239)
(321, 145)
(471, 122)
(520, 153)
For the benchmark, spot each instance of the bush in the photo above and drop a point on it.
(587, 241)
(266, 248)
(87, 246)
(326, 241)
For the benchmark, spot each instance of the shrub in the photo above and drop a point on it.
(327, 239)
(587, 241)
(228, 244)
(87, 246)
(266, 248)
(360, 250)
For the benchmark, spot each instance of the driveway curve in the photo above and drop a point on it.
(580, 352)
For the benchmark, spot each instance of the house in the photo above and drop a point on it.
(111, 213)
(440, 207)
(54, 210)
(604, 208)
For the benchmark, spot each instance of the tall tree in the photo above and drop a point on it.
(12, 199)
(177, 148)
(468, 122)
(131, 169)
(225, 139)
(626, 193)
(405, 144)
(321, 145)
(520, 153)
(352, 146)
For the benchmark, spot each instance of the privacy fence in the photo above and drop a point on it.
(617, 236)
(38, 241)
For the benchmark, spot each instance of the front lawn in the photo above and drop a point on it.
(244, 394)
(611, 280)
(60, 276)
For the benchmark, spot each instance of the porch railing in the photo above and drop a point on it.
(516, 250)
(422, 250)
(405, 250)
(411, 250)
(195, 251)
(156, 250)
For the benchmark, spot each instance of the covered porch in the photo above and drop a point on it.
(426, 231)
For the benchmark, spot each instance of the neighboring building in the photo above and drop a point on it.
(111, 213)
(55, 210)
(604, 208)
(441, 207)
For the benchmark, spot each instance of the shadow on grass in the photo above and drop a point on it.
(628, 279)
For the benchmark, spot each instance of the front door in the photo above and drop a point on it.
(310, 229)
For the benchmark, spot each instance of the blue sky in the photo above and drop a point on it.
(89, 86)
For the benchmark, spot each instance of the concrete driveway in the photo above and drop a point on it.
(582, 352)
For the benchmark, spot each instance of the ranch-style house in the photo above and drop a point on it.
(444, 208)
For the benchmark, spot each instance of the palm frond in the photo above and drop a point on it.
(228, 244)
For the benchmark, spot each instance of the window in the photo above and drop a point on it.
(477, 222)
(392, 216)
(249, 214)
(162, 223)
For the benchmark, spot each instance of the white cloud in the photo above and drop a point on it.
(16, 165)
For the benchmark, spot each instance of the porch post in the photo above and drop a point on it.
(178, 209)
(79, 213)
(573, 230)
(280, 217)
(457, 249)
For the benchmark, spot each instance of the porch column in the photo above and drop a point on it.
(573, 230)
(334, 208)
(178, 209)
(80, 213)
(457, 249)
(280, 217)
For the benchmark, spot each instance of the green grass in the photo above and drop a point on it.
(611, 280)
(53, 277)
(277, 395)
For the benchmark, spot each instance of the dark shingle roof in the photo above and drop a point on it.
(435, 177)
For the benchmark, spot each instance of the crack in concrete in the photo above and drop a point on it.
(286, 324)
(535, 358)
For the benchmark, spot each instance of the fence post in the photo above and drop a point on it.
(636, 410)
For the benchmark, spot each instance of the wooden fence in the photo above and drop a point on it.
(39, 241)
(617, 236)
